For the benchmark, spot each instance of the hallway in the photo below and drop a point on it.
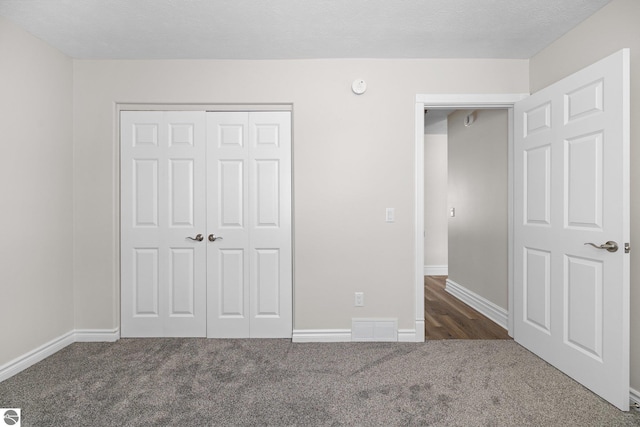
(446, 317)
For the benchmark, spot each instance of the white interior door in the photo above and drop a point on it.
(249, 265)
(163, 280)
(571, 180)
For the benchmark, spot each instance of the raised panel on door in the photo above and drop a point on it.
(182, 285)
(268, 282)
(231, 296)
(145, 282)
(537, 118)
(537, 185)
(231, 189)
(571, 299)
(145, 193)
(182, 134)
(584, 101)
(267, 193)
(537, 289)
(583, 181)
(144, 133)
(162, 205)
(182, 201)
(141, 299)
(583, 299)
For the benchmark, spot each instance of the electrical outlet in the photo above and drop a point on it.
(359, 300)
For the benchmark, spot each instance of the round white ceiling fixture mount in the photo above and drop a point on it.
(359, 86)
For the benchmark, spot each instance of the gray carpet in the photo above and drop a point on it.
(199, 382)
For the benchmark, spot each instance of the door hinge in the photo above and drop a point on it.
(627, 248)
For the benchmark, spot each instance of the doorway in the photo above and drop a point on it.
(455, 102)
(446, 317)
(465, 167)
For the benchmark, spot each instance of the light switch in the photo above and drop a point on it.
(359, 300)
(391, 215)
(452, 212)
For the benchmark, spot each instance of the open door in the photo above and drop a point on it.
(571, 226)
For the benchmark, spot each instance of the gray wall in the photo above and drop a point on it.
(36, 160)
(435, 200)
(478, 176)
(614, 27)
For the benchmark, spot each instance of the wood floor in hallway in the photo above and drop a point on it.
(446, 317)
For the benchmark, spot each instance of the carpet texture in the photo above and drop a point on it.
(200, 382)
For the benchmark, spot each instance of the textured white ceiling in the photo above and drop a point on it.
(282, 29)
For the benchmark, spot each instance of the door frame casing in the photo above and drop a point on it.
(461, 102)
(117, 158)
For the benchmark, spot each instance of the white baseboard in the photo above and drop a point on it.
(419, 331)
(97, 335)
(21, 363)
(321, 335)
(498, 314)
(634, 396)
(436, 270)
(406, 335)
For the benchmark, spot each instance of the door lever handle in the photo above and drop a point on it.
(611, 246)
(213, 238)
(198, 238)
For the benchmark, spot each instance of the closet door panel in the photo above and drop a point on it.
(163, 272)
(271, 286)
(228, 269)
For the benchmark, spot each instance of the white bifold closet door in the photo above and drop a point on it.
(249, 270)
(163, 276)
(206, 224)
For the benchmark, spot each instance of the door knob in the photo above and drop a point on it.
(611, 246)
(213, 238)
(198, 238)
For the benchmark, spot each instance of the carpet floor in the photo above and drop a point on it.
(201, 382)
